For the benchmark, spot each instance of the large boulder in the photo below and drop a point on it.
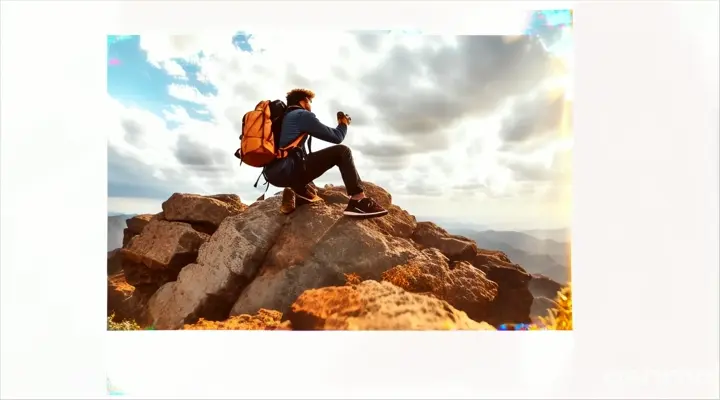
(317, 246)
(205, 213)
(268, 320)
(513, 301)
(455, 247)
(157, 255)
(232, 200)
(462, 285)
(135, 226)
(225, 264)
(375, 306)
(429, 235)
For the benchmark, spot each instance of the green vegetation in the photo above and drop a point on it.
(125, 325)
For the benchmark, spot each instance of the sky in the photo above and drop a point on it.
(467, 128)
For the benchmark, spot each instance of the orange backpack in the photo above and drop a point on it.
(260, 136)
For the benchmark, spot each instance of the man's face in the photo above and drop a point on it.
(306, 104)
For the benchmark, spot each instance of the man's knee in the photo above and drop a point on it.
(342, 149)
(342, 152)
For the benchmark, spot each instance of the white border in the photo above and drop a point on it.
(645, 244)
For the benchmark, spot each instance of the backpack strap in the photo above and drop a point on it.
(285, 151)
(309, 141)
(267, 184)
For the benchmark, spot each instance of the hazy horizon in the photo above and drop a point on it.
(153, 206)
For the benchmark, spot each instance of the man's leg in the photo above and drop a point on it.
(320, 162)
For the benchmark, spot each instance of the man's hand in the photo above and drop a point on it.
(343, 118)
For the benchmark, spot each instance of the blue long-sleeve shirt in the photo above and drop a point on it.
(295, 123)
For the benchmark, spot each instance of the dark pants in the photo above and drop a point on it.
(319, 162)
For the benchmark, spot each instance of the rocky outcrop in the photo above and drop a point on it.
(135, 226)
(316, 248)
(460, 284)
(512, 301)
(225, 264)
(210, 262)
(204, 213)
(157, 255)
(375, 306)
(268, 320)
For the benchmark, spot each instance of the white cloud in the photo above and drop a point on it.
(177, 114)
(174, 69)
(187, 93)
(469, 152)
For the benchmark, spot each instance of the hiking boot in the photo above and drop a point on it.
(364, 207)
(288, 201)
(305, 196)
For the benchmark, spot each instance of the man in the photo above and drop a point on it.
(299, 169)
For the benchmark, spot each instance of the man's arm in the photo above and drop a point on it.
(309, 123)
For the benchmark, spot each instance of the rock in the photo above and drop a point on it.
(162, 242)
(125, 301)
(397, 222)
(484, 256)
(114, 262)
(375, 306)
(513, 301)
(455, 247)
(333, 195)
(135, 225)
(463, 286)
(225, 264)
(268, 320)
(542, 286)
(230, 199)
(429, 235)
(159, 253)
(338, 194)
(204, 212)
(315, 249)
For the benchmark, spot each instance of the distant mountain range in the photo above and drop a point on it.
(548, 253)
(116, 225)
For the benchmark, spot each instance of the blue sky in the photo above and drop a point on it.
(135, 82)
(179, 101)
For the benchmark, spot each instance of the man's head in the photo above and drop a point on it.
(300, 97)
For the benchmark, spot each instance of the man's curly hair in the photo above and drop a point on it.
(295, 96)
